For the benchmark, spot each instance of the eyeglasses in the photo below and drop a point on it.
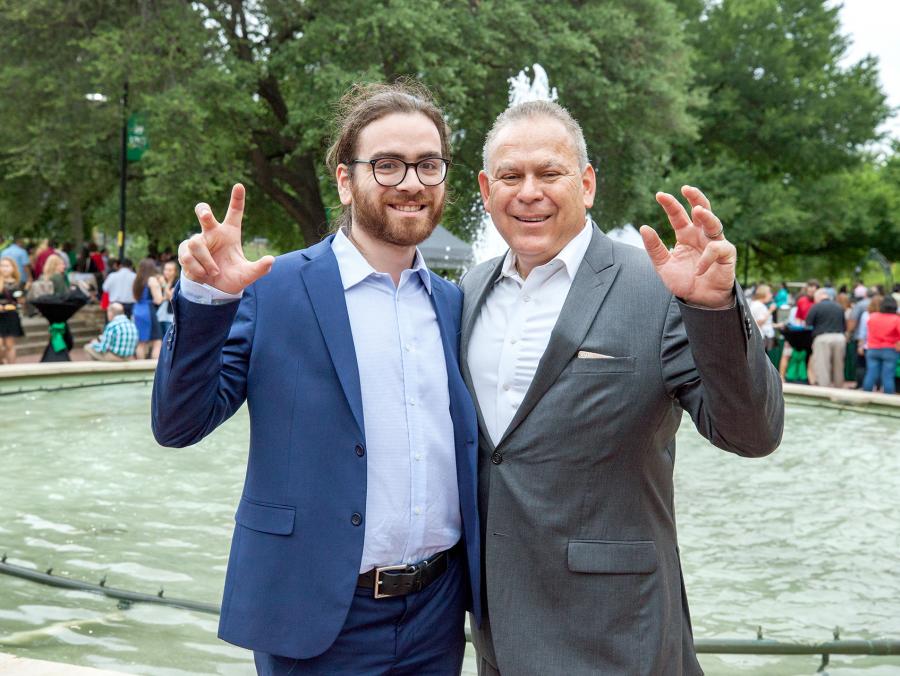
(390, 171)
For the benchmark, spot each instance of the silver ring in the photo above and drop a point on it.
(715, 234)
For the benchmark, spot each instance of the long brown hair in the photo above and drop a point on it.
(366, 103)
(146, 270)
(17, 278)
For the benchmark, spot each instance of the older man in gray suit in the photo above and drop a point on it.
(582, 354)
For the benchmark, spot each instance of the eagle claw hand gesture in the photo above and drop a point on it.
(215, 256)
(700, 268)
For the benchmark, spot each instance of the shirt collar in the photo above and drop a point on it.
(355, 268)
(571, 254)
(118, 319)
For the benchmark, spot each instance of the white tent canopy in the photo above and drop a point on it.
(445, 251)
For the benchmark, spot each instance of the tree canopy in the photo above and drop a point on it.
(744, 98)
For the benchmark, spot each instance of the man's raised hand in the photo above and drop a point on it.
(215, 256)
(700, 268)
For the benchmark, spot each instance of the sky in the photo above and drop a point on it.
(873, 28)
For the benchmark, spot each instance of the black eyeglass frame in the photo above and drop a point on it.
(414, 165)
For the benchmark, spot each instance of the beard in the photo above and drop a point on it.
(372, 213)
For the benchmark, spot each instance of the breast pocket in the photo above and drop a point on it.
(603, 365)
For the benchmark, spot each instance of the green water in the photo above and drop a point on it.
(799, 542)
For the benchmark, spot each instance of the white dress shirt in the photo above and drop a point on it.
(412, 498)
(513, 329)
(120, 285)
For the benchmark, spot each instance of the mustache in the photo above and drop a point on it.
(418, 198)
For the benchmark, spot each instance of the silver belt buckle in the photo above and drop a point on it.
(378, 572)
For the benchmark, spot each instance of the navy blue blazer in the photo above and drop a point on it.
(286, 348)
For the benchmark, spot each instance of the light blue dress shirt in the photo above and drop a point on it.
(412, 498)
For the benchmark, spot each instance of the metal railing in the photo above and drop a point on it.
(724, 646)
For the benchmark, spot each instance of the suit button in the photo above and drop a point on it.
(360, 451)
(356, 519)
(496, 457)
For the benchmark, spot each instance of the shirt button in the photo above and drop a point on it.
(412, 402)
(526, 298)
(360, 451)
(418, 456)
(418, 510)
(513, 341)
(408, 347)
(506, 387)
(356, 519)
(496, 457)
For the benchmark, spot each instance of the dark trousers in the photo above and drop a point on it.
(418, 634)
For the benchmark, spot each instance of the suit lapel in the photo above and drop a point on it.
(589, 288)
(473, 301)
(455, 385)
(326, 292)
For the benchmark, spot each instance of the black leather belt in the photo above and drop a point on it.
(388, 581)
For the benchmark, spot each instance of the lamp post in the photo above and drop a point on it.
(123, 171)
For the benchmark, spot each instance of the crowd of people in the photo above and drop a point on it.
(832, 337)
(137, 303)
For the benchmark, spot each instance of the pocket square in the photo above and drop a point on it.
(584, 354)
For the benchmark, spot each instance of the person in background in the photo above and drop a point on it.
(119, 339)
(119, 286)
(147, 292)
(873, 305)
(829, 340)
(783, 296)
(805, 301)
(829, 289)
(69, 255)
(166, 314)
(883, 342)
(761, 307)
(54, 269)
(856, 329)
(895, 292)
(98, 263)
(43, 251)
(19, 254)
(11, 295)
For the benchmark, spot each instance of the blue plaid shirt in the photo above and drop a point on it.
(119, 337)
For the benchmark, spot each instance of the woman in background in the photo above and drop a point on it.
(11, 295)
(55, 270)
(148, 295)
(166, 312)
(882, 343)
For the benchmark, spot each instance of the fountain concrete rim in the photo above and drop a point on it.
(75, 368)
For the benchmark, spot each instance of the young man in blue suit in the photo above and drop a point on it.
(356, 549)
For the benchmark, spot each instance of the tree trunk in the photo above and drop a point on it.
(295, 187)
(76, 220)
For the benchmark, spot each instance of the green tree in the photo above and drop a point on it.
(244, 89)
(784, 132)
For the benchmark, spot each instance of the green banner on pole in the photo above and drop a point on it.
(137, 143)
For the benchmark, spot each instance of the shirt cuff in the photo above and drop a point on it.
(713, 309)
(204, 294)
(730, 306)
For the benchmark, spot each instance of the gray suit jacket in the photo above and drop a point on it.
(580, 551)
